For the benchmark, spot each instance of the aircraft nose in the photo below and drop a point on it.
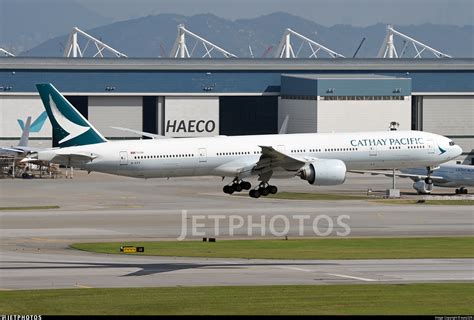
(457, 150)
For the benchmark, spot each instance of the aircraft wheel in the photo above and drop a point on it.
(272, 189)
(246, 185)
(263, 191)
(254, 194)
(228, 189)
(237, 187)
(429, 181)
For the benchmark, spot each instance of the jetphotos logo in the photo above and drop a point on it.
(279, 225)
(72, 129)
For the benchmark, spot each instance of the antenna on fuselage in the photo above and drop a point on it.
(394, 126)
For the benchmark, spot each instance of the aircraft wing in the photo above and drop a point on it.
(141, 133)
(414, 177)
(269, 160)
(272, 158)
(9, 150)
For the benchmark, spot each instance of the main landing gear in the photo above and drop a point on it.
(237, 186)
(263, 189)
(461, 190)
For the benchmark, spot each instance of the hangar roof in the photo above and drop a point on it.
(159, 76)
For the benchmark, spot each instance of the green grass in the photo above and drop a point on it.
(430, 202)
(345, 248)
(448, 298)
(28, 208)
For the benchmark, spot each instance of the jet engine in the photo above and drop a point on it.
(422, 187)
(324, 172)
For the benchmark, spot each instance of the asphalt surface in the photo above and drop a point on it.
(34, 249)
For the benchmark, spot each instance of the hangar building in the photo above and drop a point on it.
(207, 97)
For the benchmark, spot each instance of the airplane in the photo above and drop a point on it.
(318, 158)
(21, 149)
(448, 175)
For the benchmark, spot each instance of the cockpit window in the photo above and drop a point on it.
(451, 143)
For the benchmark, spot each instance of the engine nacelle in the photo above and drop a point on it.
(422, 187)
(329, 172)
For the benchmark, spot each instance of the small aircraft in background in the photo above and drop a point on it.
(448, 175)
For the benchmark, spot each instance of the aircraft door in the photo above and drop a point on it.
(373, 151)
(202, 155)
(123, 158)
(430, 145)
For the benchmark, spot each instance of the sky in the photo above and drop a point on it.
(325, 12)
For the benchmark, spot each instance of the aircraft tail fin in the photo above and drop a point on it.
(26, 133)
(69, 126)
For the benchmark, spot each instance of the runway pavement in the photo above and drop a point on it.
(67, 270)
(34, 244)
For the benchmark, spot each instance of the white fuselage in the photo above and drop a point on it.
(225, 156)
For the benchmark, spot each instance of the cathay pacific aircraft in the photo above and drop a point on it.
(319, 158)
(448, 175)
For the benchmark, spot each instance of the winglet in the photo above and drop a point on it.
(284, 125)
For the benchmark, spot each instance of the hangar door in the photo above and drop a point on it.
(248, 115)
(105, 112)
(451, 116)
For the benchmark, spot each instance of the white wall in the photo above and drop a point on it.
(126, 112)
(363, 115)
(302, 115)
(16, 107)
(191, 116)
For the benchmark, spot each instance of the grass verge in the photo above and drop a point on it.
(448, 298)
(302, 249)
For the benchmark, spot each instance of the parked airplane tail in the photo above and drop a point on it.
(69, 126)
(35, 125)
(26, 134)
